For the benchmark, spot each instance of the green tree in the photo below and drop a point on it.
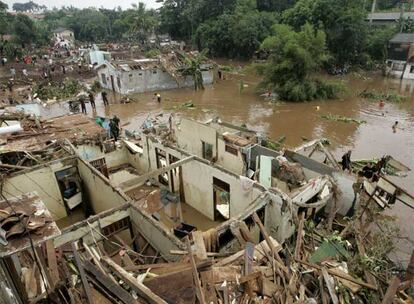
(24, 30)
(293, 60)
(3, 19)
(192, 67)
(343, 22)
(143, 22)
(88, 24)
(238, 34)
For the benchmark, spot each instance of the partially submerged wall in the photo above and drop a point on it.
(44, 182)
(92, 152)
(97, 188)
(198, 188)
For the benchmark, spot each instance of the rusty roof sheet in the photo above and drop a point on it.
(76, 128)
(29, 204)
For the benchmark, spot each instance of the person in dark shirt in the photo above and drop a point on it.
(104, 98)
(346, 161)
(92, 100)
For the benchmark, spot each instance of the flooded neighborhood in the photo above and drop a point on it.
(203, 152)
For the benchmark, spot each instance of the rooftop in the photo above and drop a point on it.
(402, 38)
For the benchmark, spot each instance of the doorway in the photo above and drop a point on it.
(221, 199)
(112, 83)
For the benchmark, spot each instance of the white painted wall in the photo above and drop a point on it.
(231, 162)
(100, 194)
(139, 81)
(44, 182)
(198, 189)
(190, 134)
(113, 159)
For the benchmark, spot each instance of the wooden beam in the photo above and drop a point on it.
(52, 263)
(299, 236)
(391, 291)
(82, 274)
(339, 275)
(140, 288)
(112, 286)
(200, 249)
(199, 289)
(132, 183)
(278, 261)
(329, 281)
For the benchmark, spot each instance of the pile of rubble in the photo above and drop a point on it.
(313, 267)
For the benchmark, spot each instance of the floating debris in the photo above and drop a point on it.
(343, 119)
(390, 96)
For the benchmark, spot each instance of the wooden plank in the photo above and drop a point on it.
(132, 183)
(278, 261)
(329, 281)
(299, 236)
(391, 291)
(200, 249)
(112, 286)
(248, 258)
(82, 274)
(199, 290)
(140, 288)
(52, 263)
(339, 275)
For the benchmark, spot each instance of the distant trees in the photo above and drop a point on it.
(236, 34)
(3, 19)
(28, 7)
(294, 58)
(343, 22)
(24, 30)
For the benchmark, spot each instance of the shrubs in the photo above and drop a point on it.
(52, 90)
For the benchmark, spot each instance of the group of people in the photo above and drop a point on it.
(91, 96)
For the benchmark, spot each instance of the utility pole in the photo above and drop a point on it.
(402, 15)
(374, 6)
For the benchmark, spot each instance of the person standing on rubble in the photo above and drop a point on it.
(82, 103)
(346, 161)
(105, 98)
(114, 127)
(92, 100)
(357, 187)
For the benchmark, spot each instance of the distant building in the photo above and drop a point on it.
(62, 34)
(146, 75)
(400, 61)
(388, 17)
(95, 56)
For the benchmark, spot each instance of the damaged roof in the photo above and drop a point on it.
(37, 135)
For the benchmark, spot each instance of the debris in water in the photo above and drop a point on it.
(390, 96)
(343, 119)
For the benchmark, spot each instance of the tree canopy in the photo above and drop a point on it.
(293, 60)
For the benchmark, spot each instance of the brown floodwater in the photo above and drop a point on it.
(296, 121)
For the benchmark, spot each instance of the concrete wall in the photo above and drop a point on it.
(43, 181)
(190, 134)
(231, 162)
(113, 159)
(159, 237)
(98, 190)
(139, 81)
(198, 189)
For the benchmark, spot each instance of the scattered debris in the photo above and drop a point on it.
(390, 96)
(343, 119)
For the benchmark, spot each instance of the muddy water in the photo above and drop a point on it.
(375, 138)
(296, 121)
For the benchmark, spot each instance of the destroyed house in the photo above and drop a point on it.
(146, 75)
(400, 61)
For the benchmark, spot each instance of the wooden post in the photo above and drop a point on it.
(391, 291)
(299, 236)
(279, 261)
(132, 282)
(82, 274)
(199, 290)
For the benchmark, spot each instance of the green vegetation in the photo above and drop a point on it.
(389, 96)
(50, 90)
(293, 60)
(343, 119)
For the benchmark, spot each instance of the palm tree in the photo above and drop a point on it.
(192, 66)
